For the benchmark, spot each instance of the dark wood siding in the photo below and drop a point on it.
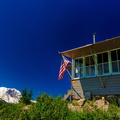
(93, 85)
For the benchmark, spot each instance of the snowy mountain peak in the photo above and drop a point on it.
(10, 95)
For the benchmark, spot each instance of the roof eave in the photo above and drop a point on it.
(93, 48)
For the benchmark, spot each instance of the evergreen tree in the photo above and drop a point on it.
(26, 96)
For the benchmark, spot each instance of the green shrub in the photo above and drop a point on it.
(49, 108)
(114, 100)
(2, 102)
(10, 111)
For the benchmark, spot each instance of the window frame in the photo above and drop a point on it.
(87, 76)
(102, 64)
(75, 68)
(110, 68)
(118, 62)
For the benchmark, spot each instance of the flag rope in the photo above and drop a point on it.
(70, 77)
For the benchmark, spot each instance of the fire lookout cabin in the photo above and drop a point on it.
(95, 69)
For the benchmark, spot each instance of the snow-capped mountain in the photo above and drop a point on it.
(10, 95)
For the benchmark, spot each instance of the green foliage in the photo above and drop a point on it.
(26, 97)
(2, 102)
(75, 103)
(114, 100)
(10, 111)
(49, 108)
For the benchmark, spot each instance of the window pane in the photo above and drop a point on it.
(76, 63)
(106, 68)
(81, 62)
(99, 58)
(92, 60)
(113, 55)
(105, 57)
(76, 73)
(119, 65)
(92, 70)
(87, 61)
(114, 67)
(118, 54)
(87, 71)
(81, 72)
(100, 71)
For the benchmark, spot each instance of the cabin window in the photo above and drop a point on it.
(78, 71)
(115, 58)
(90, 66)
(103, 66)
(98, 64)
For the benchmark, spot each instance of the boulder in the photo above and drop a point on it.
(91, 106)
(88, 107)
(102, 104)
(74, 108)
(81, 102)
(26, 107)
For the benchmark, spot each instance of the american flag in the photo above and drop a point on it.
(63, 66)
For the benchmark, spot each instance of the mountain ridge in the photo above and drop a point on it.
(10, 95)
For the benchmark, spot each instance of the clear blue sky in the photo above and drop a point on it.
(33, 31)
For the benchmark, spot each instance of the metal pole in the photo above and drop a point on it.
(94, 37)
(97, 69)
(70, 77)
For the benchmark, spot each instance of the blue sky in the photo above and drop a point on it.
(33, 31)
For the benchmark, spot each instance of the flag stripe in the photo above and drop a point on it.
(63, 68)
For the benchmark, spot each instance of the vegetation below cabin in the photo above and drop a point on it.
(48, 108)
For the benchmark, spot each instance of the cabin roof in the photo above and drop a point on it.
(98, 47)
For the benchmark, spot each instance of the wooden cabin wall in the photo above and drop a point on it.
(78, 88)
(93, 85)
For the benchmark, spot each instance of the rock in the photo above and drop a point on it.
(99, 103)
(74, 108)
(88, 107)
(91, 106)
(102, 104)
(81, 102)
(25, 108)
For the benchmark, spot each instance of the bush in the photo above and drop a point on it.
(2, 102)
(50, 108)
(114, 100)
(10, 111)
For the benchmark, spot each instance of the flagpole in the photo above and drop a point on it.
(70, 78)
